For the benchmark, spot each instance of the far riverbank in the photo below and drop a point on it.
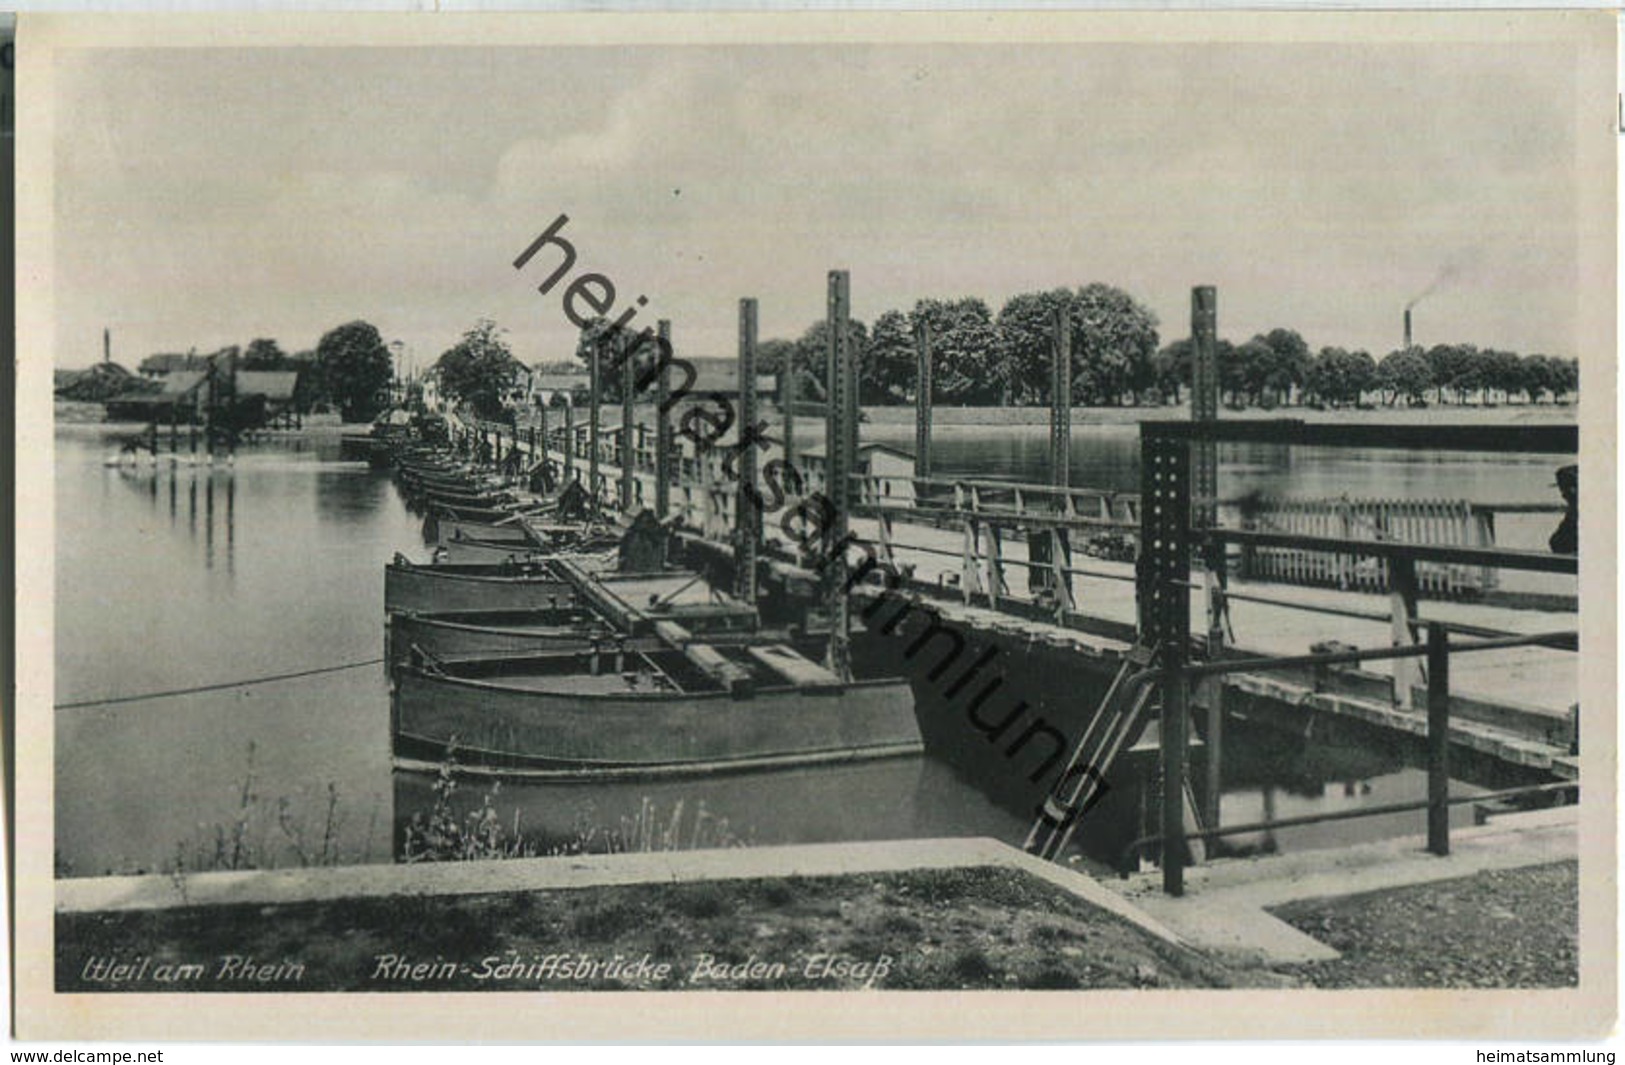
(1449, 414)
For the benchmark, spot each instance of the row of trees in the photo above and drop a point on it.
(983, 359)
(1276, 368)
(979, 359)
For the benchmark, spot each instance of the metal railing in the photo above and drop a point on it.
(1438, 650)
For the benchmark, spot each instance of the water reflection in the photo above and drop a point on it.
(894, 798)
(1108, 457)
(349, 493)
(208, 522)
(147, 480)
(304, 538)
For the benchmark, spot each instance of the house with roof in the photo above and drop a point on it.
(260, 396)
(551, 388)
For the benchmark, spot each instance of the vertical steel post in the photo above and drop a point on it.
(1204, 401)
(747, 499)
(1402, 610)
(1060, 456)
(231, 401)
(1164, 602)
(629, 450)
(1175, 715)
(1060, 399)
(208, 414)
(922, 401)
(1210, 690)
(1438, 739)
(1204, 514)
(569, 439)
(838, 439)
(787, 407)
(595, 383)
(663, 441)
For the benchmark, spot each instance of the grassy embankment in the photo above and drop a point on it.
(968, 928)
(923, 930)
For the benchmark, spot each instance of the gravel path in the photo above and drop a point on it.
(1506, 928)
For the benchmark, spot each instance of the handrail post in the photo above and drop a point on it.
(1175, 703)
(1210, 690)
(663, 440)
(747, 530)
(1402, 605)
(840, 455)
(922, 400)
(627, 351)
(594, 364)
(570, 439)
(1438, 740)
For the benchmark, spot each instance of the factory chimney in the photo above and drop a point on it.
(1407, 329)
(107, 345)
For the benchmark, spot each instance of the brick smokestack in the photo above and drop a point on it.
(1407, 329)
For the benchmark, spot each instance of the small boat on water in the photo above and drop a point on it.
(489, 500)
(429, 589)
(454, 635)
(695, 708)
(679, 678)
(477, 514)
(451, 478)
(441, 526)
(464, 550)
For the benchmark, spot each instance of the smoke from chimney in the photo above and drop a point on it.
(1448, 273)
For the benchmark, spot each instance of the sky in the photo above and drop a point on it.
(207, 197)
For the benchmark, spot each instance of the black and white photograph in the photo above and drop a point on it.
(1077, 515)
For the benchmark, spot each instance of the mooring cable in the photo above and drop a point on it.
(245, 683)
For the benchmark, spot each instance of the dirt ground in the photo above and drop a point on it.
(1506, 928)
(951, 929)
(929, 930)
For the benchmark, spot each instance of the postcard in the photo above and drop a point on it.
(940, 525)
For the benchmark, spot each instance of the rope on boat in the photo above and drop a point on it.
(245, 683)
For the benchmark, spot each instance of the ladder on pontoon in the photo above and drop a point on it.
(1114, 728)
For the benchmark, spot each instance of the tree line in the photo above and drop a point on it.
(980, 358)
(984, 359)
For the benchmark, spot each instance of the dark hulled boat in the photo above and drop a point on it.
(441, 526)
(463, 634)
(469, 551)
(430, 589)
(698, 708)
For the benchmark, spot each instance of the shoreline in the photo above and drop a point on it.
(67, 412)
(1084, 417)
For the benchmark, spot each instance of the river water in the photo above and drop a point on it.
(177, 579)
